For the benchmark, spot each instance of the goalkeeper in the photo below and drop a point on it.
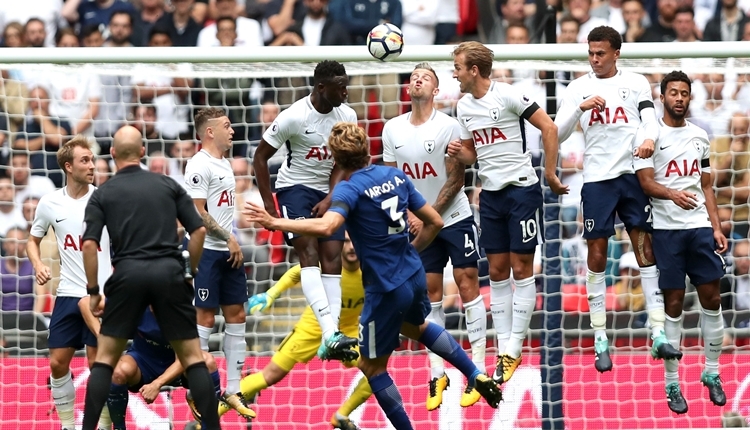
(301, 345)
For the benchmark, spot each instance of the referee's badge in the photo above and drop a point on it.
(589, 224)
(495, 113)
(624, 93)
(203, 294)
(429, 146)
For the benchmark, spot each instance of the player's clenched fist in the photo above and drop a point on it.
(43, 274)
(454, 148)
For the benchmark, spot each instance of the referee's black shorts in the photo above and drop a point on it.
(135, 284)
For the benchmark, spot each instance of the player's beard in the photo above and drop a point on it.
(674, 115)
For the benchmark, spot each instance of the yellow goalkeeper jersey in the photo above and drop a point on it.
(352, 299)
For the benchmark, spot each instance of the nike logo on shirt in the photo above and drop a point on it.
(60, 220)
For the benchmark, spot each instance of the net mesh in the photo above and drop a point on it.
(161, 100)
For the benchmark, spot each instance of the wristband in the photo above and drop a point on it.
(92, 291)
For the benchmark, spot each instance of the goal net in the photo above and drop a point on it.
(159, 92)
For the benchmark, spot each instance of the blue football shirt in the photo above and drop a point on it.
(374, 202)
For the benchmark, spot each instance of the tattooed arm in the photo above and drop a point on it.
(214, 230)
(455, 171)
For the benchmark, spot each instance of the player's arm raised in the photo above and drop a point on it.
(263, 176)
(684, 199)
(325, 226)
(713, 211)
(544, 123)
(463, 150)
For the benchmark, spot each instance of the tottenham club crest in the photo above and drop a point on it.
(589, 224)
(495, 114)
(429, 146)
(624, 93)
(203, 294)
(697, 144)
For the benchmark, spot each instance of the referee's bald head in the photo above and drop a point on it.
(127, 144)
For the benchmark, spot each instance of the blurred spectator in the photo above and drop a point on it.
(735, 288)
(420, 19)
(74, 94)
(117, 91)
(66, 38)
(684, 24)
(152, 85)
(182, 28)
(226, 31)
(512, 12)
(746, 32)
(13, 36)
(96, 12)
(180, 152)
(48, 12)
(102, 171)
(27, 185)
(10, 213)
(248, 30)
(214, 11)
(360, 16)
(611, 11)
(157, 163)
(144, 118)
(35, 34)
(581, 10)
(151, 11)
(727, 25)
(635, 29)
(91, 37)
(120, 30)
(29, 210)
(731, 168)
(628, 289)
(716, 110)
(447, 21)
(661, 30)
(17, 273)
(317, 28)
(280, 15)
(42, 135)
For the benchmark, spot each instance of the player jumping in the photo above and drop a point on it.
(303, 190)
(687, 234)
(416, 143)
(373, 202)
(491, 116)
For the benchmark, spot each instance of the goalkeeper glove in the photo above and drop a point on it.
(259, 303)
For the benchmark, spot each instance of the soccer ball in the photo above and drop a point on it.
(385, 42)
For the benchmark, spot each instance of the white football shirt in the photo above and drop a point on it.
(65, 215)
(212, 179)
(680, 158)
(609, 134)
(419, 150)
(495, 124)
(305, 132)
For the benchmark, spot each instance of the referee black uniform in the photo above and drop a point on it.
(140, 210)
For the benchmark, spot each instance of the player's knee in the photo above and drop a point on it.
(499, 273)
(711, 302)
(58, 367)
(205, 317)
(122, 374)
(468, 289)
(273, 374)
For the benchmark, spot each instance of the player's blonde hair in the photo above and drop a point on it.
(427, 66)
(65, 153)
(348, 143)
(476, 54)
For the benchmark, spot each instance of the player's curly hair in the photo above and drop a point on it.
(604, 33)
(348, 143)
(326, 70)
(674, 76)
(476, 54)
(65, 153)
(203, 116)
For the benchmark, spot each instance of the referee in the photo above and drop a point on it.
(140, 211)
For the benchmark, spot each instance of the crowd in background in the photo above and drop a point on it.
(41, 108)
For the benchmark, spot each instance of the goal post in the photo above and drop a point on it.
(250, 83)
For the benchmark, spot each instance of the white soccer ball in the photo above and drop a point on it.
(385, 42)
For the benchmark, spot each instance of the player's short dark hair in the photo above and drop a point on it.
(675, 76)
(205, 115)
(328, 70)
(604, 33)
(65, 153)
(348, 143)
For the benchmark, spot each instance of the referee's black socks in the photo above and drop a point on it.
(97, 391)
(202, 389)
